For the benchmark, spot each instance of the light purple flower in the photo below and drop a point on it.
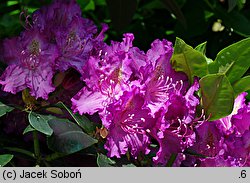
(31, 66)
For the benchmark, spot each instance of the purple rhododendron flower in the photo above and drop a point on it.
(159, 75)
(225, 142)
(56, 16)
(128, 125)
(173, 130)
(31, 66)
(109, 74)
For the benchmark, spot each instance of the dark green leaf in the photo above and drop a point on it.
(231, 4)
(194, 153)
(233, 61)
(121, 12)
(4, 109)
(242, 85)
(68, 138)
(81, 120)
(171, 160)
(188, 60)
(40, 123)
(217, 96)
(174, 8)
(29, 128)
(5, 159)
(104, 161)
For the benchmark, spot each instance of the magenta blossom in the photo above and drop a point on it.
(107, 76)
(174, 127)
(129, 125)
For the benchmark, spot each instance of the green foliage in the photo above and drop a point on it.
(5, 159)
(217, 96)
(4, 109)
(104, 161)
(81, 120)
(233, 61)
(40, 123)
(242, 85)
(188, 60)
(67, 137)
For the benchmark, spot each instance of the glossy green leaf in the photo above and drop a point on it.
(5, 159)
(121, 12)
(104, 161)
(233, 61)
(217, 96)
(87, 125)
(4, 109)
(242, 85)
(68, 138)
(29, 128)
(188, 60)
(201, 48)
(40, 123)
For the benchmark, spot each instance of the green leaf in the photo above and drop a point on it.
(68, 138)
(175, 9)
(87, 125)
(188, 60)
(217, 96)
(4, 109)
(40, 123)
(29, 128)
(104, 161)
(241, 85)
(5, 159)
(202, 48)
(231, 4)
(121, 12)
(233, 61)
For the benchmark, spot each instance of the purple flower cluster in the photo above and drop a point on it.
(56, 39)
(139, 97)
(226, 142)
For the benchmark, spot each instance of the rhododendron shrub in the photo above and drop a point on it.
(167, 106)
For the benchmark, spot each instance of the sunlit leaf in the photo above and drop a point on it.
(188, 60)
(233, 61)
(217, 96)
(242, 85)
